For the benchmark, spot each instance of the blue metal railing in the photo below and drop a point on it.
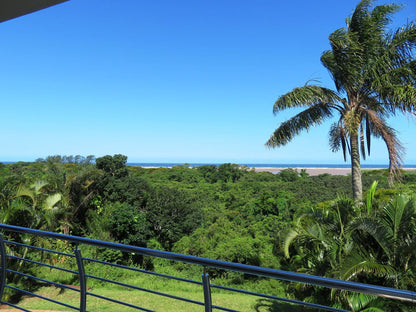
(204, 263)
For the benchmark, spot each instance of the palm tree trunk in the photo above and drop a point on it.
(357, 188)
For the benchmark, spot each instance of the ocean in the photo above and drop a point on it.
(167, 165)
(252, 165)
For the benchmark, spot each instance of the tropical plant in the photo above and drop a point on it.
(369, 243)
(384, 240)
(321, 237)
(70, 197)
(317, 245)
(17, 205)
(389, 238)
(374, 72)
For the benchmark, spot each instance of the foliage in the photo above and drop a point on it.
(172, 215)
(370, 243)
(70, 159)
(225, 172)
(127, 225)
(232, 214)
(222, 240)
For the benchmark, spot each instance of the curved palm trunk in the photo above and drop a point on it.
(357, 188)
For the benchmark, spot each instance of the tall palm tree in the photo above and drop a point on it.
(374, 72)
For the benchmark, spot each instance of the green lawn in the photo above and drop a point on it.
(143, 299)
(222, 298)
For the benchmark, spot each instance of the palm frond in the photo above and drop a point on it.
(368, 135)
(329, 62)
(373, 309)
(38, 185)
(336, 139)
(395, 150)
(370, 198)
(306, 96)
(409, 225)
(357, 263)
(355, 21)
(362, 143)
(381, 15)
(51, 201)
(364, 302)
(376, 229)
(290, 237)
(402, 42)
(400, 98)
(25, 191)
(394, 76)
(393, 213)
(344, 61)
(312, 116)
(344, 143)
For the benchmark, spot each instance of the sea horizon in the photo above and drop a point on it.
(262, 165)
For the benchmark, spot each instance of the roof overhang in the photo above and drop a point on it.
(14, 8)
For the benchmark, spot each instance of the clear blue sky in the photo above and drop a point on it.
(169, 81)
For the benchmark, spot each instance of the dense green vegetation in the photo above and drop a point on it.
(373, 69)
(288, 220)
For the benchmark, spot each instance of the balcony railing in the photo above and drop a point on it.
(7, 273)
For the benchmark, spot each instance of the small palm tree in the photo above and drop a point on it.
(374, 72)
(69, 200)
(391, 232)
(324, 236)
(352, 242)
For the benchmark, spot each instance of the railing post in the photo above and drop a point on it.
(3, 266)
(207, 291)
(82, 283)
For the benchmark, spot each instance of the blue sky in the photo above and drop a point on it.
(169, 81)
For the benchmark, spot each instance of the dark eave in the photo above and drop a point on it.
(14, 8)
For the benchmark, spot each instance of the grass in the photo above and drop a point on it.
(223, 298)
(146, 300)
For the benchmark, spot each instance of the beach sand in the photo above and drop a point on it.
(312, 171)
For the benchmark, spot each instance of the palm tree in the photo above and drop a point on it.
(384, 253)
(374, 72)
(389, 236)
(323, 236)
(69, 199)
(352, 242)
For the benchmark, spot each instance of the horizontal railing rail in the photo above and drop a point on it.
(204, 263)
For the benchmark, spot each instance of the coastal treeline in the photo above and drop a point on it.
(289, 220)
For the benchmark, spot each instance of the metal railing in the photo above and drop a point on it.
(7, 256)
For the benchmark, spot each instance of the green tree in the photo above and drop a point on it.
(114, 166)
(374, 72)
(115, 184)
(127, 225)
(70, 194)
(208, 172)
(172, 214)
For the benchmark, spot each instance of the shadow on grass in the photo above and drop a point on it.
(265, 305)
